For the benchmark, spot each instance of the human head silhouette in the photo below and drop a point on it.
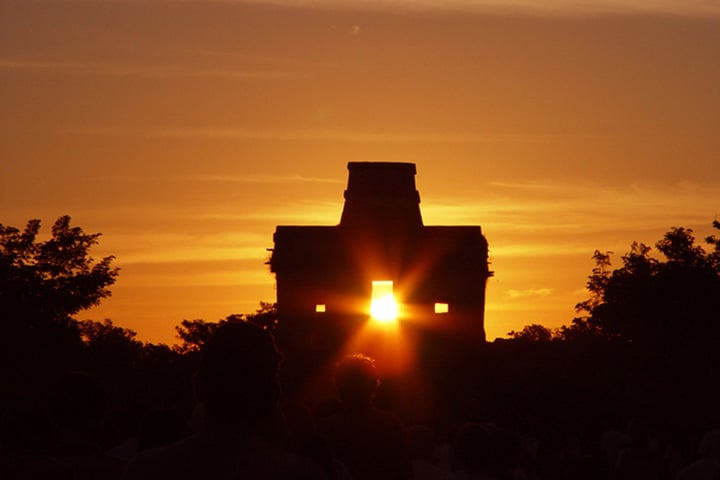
(473, 448)
(237, 379)
(486, 449)
(356, 380)
(77, 402)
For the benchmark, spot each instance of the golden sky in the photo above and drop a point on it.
(185, 130)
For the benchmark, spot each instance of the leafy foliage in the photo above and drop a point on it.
(656, 301)
(194, 333)
(533, 333)
(112, 346)
(46, 282)
(714, 256)
(265, 316)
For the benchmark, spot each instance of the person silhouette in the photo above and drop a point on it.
(76, 404)
(367, 440)
(237, 387)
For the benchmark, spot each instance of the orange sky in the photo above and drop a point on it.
(185, 131)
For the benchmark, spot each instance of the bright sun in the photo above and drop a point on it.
(383, 307)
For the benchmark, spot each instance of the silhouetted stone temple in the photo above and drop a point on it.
(325, 274)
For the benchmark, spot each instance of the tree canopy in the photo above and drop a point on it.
(48, 281)
(194, 333)
(673, 300)
(533, 333)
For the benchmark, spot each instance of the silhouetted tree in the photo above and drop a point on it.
(655, 301)
(195, 333)
(580, 329)
(47, 282)
(266, 316)
(110, 347)
(713, 240)
(533, 333)
(158, 355)
(42, 284)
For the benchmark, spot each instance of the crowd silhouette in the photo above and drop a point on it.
(239, 423)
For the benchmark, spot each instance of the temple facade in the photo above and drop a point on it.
(326, 274)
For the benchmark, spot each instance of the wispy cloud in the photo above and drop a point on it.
(537, 7)
(310, 135)
(533, 292)
(171, 247)
(226, 272)
(265, 179)
(214, 178)
(574, 220)
(523, 185)
(140, 70)
(560, 206)
(15, 64)
(546, 249)
(300, 213)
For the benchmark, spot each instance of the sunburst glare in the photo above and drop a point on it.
(383, 306)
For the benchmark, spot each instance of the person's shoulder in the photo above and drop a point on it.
(168, 461)
(384, 417)
(341, 419)
(703, 468)
(291, 466)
